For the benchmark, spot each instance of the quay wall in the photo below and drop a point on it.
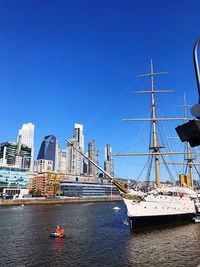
(39, 201)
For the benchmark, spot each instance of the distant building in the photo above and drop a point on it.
(43, 165)
(48, 183)
(57, 156)
(93, 155)
(63, 160)
(26, 134)
(48, 149)
(85, 165)
(15, 154)
(79, 136)
(108, 162)
(74, 158)
(13, 177)
(88, 190)
(15, 161)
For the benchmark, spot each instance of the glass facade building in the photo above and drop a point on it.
(48, 149)
(88, 190)
(13, 177)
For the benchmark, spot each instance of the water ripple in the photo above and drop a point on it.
(95, 236)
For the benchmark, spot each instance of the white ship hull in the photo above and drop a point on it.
(160, 209)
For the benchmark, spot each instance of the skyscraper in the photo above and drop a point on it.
(93, 155)
(74, 159)
(108, 164)
(78, 135)
(48, 149)
(26, 136)
(58, 156)
(63, 156)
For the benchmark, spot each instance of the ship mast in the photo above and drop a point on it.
(189, 154)
(155, 146)
(189, 159)
(155, 139)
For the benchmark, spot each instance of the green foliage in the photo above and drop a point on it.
(35, 193)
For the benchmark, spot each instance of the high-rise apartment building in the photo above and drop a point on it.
(93, 155)
(78, 135)
(63, 160)
(48, 149)
(26, 135)
(74, 158)
(108, 162)
(43, 165)
(58, 156)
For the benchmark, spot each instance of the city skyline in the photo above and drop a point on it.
(68, 62)
(51, 156)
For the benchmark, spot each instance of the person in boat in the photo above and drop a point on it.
(59, 231)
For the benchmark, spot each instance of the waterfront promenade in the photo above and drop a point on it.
(50, 201)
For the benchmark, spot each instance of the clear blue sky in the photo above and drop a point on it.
(66, 62)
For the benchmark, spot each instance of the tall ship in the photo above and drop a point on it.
(164, 202)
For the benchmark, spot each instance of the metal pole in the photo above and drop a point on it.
(196, 65)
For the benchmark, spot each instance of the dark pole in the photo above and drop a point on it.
(196, 65)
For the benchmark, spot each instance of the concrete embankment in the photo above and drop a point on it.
(38, 201)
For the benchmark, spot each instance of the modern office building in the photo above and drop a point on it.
(88, 190)
(26, 134)
(108, 162)
(93, 155)
(48, 149)
(74, 158)
(15, 154)
(13, 177)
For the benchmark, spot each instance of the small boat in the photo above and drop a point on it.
(116, 208)
(56, 235)
(196, 219)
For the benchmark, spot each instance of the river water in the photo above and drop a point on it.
(96, 235)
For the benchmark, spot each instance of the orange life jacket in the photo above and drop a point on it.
(58, 230)
(62, 232)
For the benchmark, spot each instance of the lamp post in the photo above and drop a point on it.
(190, 131)
(195, 110)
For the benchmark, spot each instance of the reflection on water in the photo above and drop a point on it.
(96, 235)
(172, 246)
